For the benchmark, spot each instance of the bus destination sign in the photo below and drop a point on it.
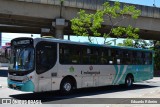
(22, 42)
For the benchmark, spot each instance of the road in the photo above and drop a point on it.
(140, 90)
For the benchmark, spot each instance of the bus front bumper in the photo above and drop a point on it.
(26, 86)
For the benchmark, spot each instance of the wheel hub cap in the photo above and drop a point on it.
(129, 82)
(67, 86)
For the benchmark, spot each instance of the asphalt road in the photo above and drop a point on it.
(82, 96)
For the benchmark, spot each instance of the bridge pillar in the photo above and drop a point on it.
(59, 25)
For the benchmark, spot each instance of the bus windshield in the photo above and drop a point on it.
(22, 59)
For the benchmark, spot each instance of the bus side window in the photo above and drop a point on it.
(127, 57)
(75, 54)
(134, 59)
(140, 58)
(119, 57)
(111, 56)
(150, 58)
(93, 55)
(69, 54)
(64, 56)
(85, 55)
(104, 56)
(147, 58)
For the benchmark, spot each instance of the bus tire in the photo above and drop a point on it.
(66, 86)
(129, 81)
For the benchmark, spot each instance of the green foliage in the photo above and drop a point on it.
(87, 24)
(130, 10)
(112, 11)
(96, 23)
(81, 24)
(127, 42)
(137, 43)
(129, 31)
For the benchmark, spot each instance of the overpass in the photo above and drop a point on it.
(37, 16)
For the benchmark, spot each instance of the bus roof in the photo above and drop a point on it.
(89, 44)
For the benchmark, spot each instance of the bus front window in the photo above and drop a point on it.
(22, 59)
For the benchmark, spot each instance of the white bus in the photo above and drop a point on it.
(46, 64)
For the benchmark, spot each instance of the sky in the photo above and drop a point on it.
(6, 37)
(142, 2)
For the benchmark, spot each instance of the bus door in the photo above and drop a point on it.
(45, 60)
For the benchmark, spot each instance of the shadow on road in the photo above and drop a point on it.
(56, 96)
(3, 73)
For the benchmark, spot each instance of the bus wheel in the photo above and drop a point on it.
(66, 86)
(129, 81)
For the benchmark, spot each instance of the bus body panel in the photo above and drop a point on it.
(23, 83)
(44, 82)
(86, 75)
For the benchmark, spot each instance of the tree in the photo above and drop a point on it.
(137, 43)
(127, 42)
(87, 24)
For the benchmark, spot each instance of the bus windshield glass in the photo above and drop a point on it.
(22, 59)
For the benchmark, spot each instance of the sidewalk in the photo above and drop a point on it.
(155, 79)
(155, 93)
